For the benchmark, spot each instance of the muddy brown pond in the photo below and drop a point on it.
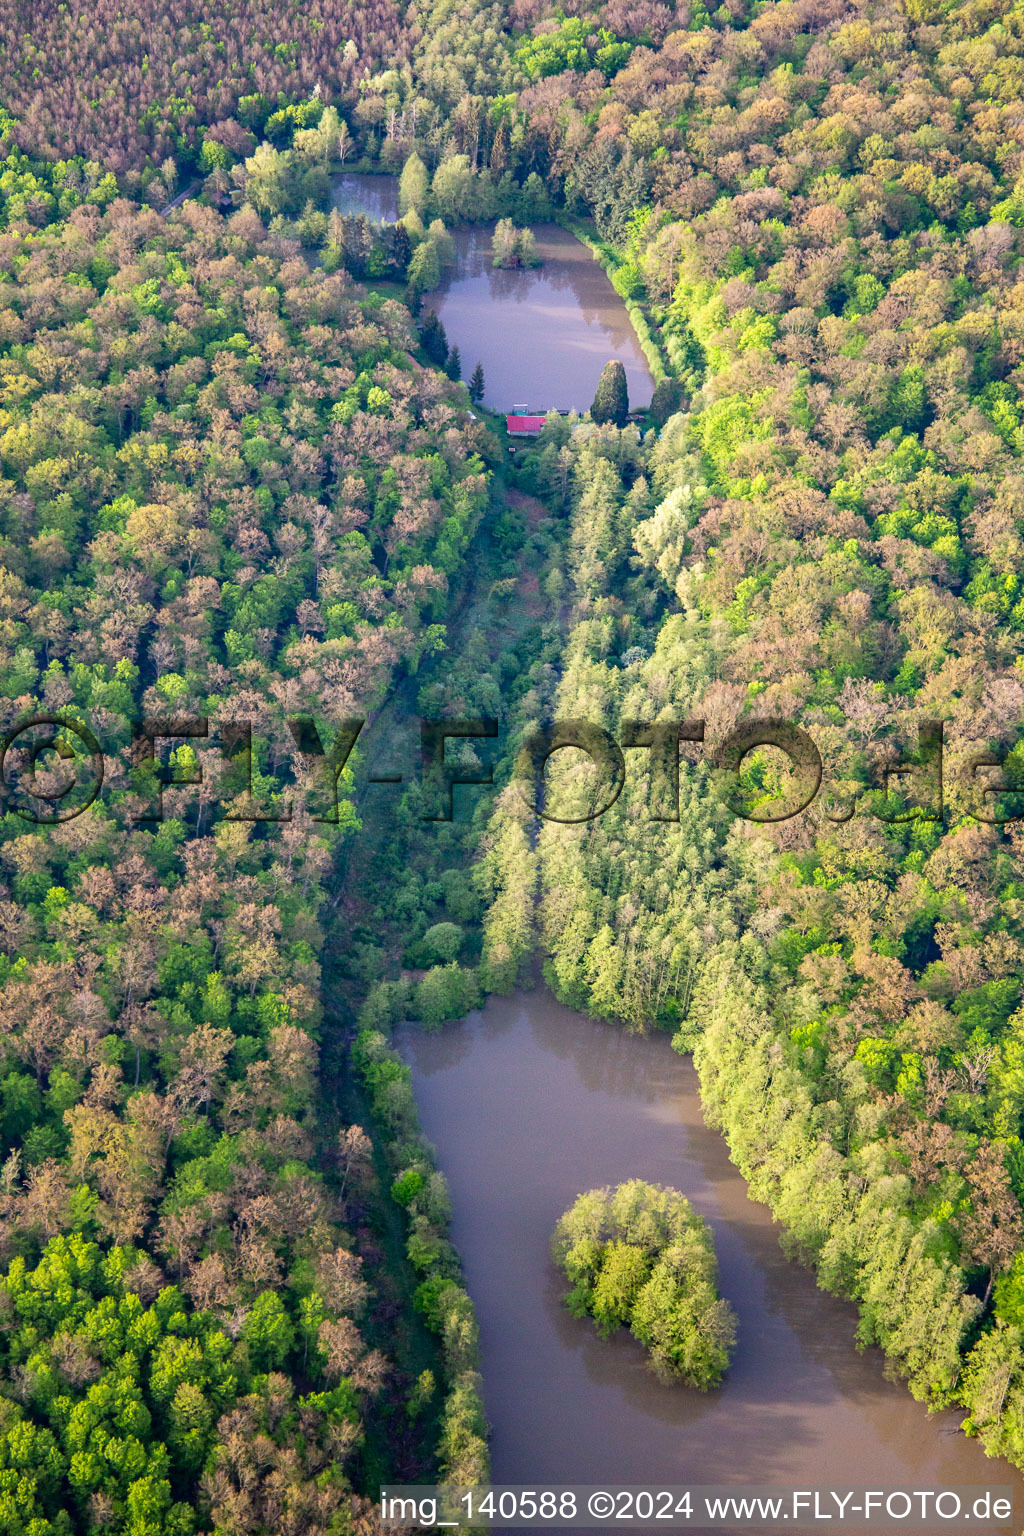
(542, 336)
(528, 1104)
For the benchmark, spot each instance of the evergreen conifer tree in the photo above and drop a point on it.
(433, 339)
(476, 384)
(611, 400)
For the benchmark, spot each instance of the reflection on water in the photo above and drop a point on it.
(529, 1104)
(376, 196)
(542, 335)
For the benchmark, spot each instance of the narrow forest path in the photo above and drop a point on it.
(176, 202)
(481, 609)
(389, 741)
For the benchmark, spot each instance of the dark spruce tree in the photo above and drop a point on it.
(397, 248)
(453, 368)
(476, 384)
(433, 339)
(359, 243)
(611, 401)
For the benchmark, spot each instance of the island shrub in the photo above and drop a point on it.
(513, 247)
(639, 1257)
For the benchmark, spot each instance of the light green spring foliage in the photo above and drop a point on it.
(639, 1257)
(121, 1396)
(413, 185)
(850, 1214)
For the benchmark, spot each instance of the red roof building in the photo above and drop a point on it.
(524, 426)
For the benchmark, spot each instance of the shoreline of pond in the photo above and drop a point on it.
(528, 1104)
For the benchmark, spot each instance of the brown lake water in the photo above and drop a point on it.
(543, 335)
(529, 1104)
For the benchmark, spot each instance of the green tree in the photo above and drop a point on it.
(476, 384)
(513, 247)
(265, 177)
(443, 241)
(504, 244)
(268, 1332)
(611, 399)
(452, 188)
(433, 339)
(528, 253)
(446, 992)
(129, 1393)
(413, 186)
(424, 267)
(442, 941)
(624, 1268)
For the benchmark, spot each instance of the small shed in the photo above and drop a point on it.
(524, 426)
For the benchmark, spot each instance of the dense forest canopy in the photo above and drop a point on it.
(153, 81)
(237, 482)
(214, 457)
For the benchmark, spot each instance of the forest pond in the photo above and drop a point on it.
(542, 335)
(528, 1104)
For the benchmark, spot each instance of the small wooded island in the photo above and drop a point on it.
(638, 1256)
(513, 247)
